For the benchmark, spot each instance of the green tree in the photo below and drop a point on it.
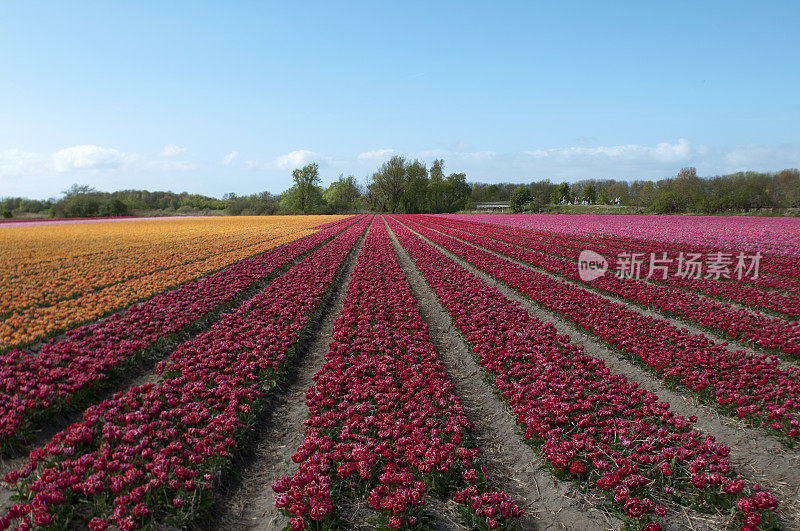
(603, 198)
(590, 193)
(537, 204)
(647, 193)
(415, 188)
(437, 188)
(388, 185)
(456, 192)
(114, 207)
(621, 190)
(520, 198)
(787, 187)
(79, 201)
(305, 194)
(343, 194)
(563, 191)
(669, 202)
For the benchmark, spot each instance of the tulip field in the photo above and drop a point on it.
(401, 372)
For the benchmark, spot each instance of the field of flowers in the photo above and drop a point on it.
(53, 277)
(148, 368)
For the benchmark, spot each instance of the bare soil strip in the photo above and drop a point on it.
(247, 501)
(674, 321)
(139, 372)
(516, 468)
(755, 455)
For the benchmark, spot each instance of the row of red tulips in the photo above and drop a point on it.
(665, 271)
(152, 454)
(35, 386)
(385, 423)
(770, 333)
(751, 387)
(592, 426)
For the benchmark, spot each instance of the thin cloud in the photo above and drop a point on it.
(89, 157)
(171, 150)
(228, 159)
(300, 157)
(18, 163)
(40, 175)
(376, 155)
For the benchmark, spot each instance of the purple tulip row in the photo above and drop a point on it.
(762, 331)
(152, 453)
(569, 247)
(33, 385)
(751, 387)
(385, 421)
(592, 426)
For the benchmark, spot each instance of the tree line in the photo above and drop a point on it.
(399, 185)
(405, 186)
(684, 193)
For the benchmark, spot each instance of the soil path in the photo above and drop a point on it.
(248, 501)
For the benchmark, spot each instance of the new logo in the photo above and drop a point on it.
(591, 265)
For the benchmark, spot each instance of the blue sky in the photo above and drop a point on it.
(216, 97)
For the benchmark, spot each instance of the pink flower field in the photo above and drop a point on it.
(779, 235)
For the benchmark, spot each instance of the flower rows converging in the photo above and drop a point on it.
(55, 277)
(385, 423)
(34, 384)
(777, 266)
(592, 426)
(756, 288)
(151, 454)
(760, 330)
(756, 388)
(714, 232)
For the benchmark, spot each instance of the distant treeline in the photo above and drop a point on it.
(405, 186)
(685, 193)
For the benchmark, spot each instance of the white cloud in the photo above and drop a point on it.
(663, 152)
(298, 158)
(376, 155)
(624, 161)
(171, 150)
(40, 175)
(88, 158)
(430, 154)
(228, 159)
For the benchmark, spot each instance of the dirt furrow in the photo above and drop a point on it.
(755, 455)
(674, 321)
(247, 500)
(515, 467)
